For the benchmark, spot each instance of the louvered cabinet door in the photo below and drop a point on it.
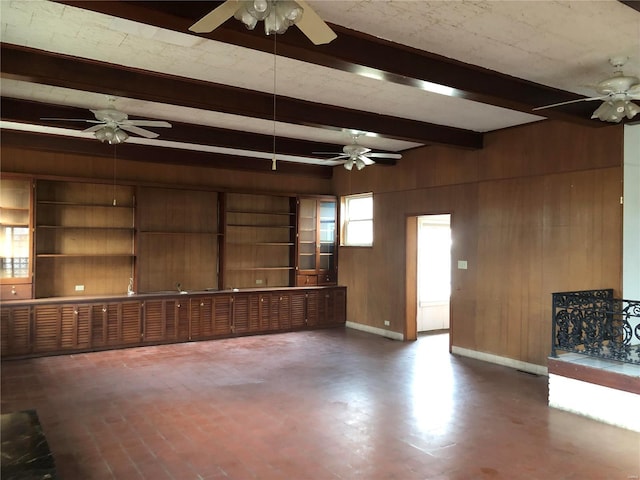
(333, 307)
(124, 323)
(131, 323)
(254, 312)
(16, 330)
(183, 319)
(153, 321)
(274, 311)
(323, 308)
(264, 311)
(201, 318)
(298, 302)
(222, 310)
(75, 327)
(339, 306)
(240, 322)
(285, 311)
(46, 328)
(98, 321)
(170, 320)
(312, 298)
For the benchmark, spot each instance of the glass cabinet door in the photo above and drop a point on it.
(307, 230)
(15, 235)
(327, 235)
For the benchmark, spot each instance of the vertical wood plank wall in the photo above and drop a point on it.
(536, 211)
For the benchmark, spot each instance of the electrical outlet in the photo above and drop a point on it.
(79, 288)
(387, 323)
(259, 281)
(462, 264)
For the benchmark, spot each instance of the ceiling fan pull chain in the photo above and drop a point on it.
(275, 56)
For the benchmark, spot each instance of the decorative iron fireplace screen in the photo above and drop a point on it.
(592, 322)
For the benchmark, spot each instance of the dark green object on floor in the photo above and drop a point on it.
(25, 451)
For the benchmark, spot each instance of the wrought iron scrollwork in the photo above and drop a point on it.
(592, 322)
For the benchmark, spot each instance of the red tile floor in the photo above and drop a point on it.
(331, 404)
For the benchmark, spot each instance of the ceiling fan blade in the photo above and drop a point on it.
(95, 128)
(328, 153)
(339, 157)
(366, 160)
(571, 101)
(139, 131)
(384, 155)
(216, 17)
(313, 26)
(146, 123)
(68, 119)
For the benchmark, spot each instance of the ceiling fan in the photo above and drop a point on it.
(110, 125)
(278, 15)
(617, 93)
(356, 154)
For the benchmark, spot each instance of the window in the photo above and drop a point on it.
(357, 220)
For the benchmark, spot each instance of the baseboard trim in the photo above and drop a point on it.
(376, 331)
(504, 361)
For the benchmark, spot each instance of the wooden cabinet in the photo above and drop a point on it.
(115, 323)
(38, 327)
(15, 238)
(15, 330)
(326, 307)
(85, 237)
(316, 262)
(259, 241)
(178, 240)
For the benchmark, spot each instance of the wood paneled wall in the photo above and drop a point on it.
(36, 162)
(536, 211)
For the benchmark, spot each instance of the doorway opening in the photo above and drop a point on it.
(434, 273)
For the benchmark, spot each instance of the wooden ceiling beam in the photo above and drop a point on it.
(362, 54)
(37, 66)
(25, 111)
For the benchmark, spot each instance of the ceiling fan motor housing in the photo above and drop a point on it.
(355, 150)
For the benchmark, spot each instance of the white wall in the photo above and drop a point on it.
(631, 214)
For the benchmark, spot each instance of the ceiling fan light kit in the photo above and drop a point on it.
(617, 94)
(112, 135)
(278, 15)
(614, 111)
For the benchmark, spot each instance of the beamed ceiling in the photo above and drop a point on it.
(405, 73)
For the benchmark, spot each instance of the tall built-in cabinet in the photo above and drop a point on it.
(317, 241)
(15, 238)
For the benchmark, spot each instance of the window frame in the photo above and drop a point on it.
(345, 219)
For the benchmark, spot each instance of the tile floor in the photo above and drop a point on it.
(331, 404)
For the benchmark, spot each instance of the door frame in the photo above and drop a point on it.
(411, 275)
